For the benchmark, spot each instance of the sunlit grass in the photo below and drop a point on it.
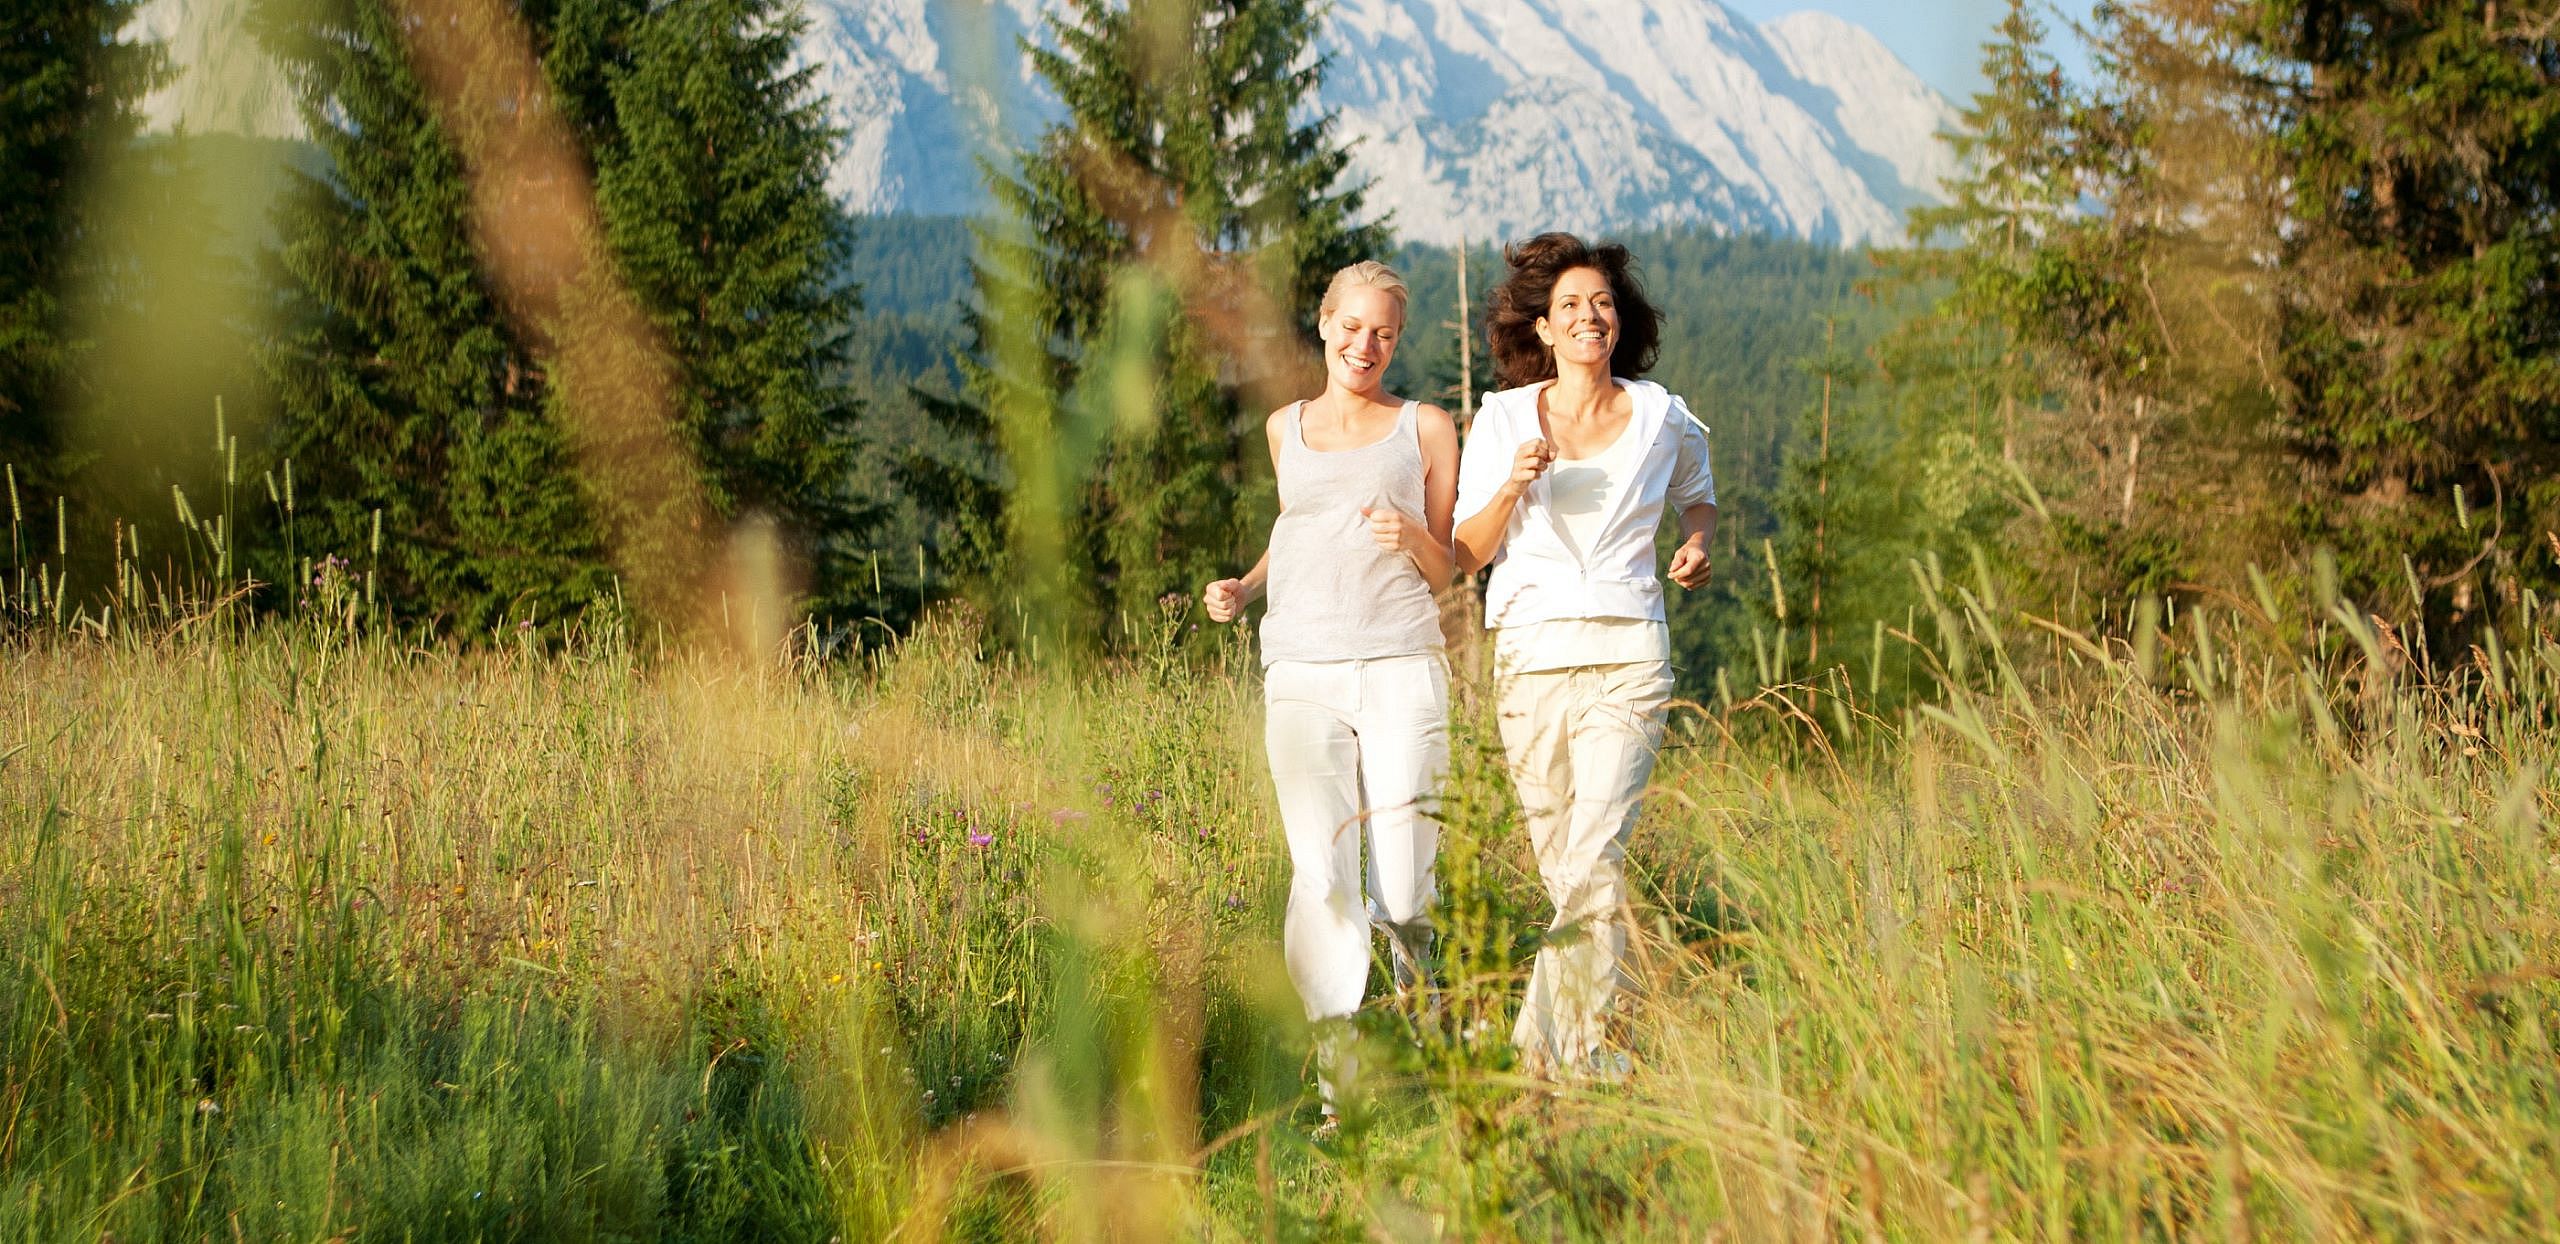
(306, 934)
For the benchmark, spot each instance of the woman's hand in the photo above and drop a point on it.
(1394, 532)
(1225, 599)
(1478, 537)
(1690, 566)
(1528, 463)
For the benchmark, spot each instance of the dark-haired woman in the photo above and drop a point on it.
(1565, 479)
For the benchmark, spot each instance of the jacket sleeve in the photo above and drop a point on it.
(1693, 480)
(1485, 462)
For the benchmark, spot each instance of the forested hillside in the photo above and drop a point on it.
(1745, 321)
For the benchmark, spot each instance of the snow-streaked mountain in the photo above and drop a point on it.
(920, 87)
(1471, 119)
(1869, 95)
(223, 83)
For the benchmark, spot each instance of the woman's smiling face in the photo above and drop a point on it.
(1581, 323)
(1360, 337)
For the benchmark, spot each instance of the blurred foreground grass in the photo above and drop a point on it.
(305, 936)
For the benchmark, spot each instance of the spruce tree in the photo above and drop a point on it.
(409, 406)
(1989, 241)
(1971, 377)
(1151, 246)
(69, 86)
(2419, 335)
(1844, 529)
(713, 191)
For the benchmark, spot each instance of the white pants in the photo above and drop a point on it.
(1581, 742)
(1355, 741)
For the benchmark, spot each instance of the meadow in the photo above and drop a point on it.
(2242, 929)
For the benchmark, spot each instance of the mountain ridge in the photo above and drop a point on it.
(1476, 118)
(1468, 119)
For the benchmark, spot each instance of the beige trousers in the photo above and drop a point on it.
(1581, 743)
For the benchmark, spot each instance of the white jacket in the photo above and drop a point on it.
(1538, 577)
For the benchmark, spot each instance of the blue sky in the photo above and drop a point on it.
(1942, 39)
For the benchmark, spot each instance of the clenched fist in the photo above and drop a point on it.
(1224, 598)
(1528, 463)
(1389, 527)
(1689, 564)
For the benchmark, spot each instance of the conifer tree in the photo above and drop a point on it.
(1970, 374)
(1988, 240)
(715, 202)
(1843, 527)
(412, 392)
(1116, 328)
(70, 83)
(409, 406)
(2419, 334)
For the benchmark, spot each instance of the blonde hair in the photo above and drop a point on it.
(1367, 272)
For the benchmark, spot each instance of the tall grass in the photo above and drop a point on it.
(307, 934)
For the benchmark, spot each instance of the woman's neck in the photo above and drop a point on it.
(1349, 402)
(1580, 391)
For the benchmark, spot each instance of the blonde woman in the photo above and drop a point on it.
(1566, 478)
(1355, 682)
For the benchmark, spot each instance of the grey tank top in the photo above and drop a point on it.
(1335, 595)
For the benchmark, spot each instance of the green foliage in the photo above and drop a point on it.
(1149, 248)
(2418, 342)
(72, 83)
(914, 276)
(1967, 372)
(173, 337)
(2275, 280)
(713, 192)
(1848, 525)
(412, 393)
(409, 405)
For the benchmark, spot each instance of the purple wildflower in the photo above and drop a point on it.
(980, 838)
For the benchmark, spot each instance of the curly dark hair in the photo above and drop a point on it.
(1511, 315)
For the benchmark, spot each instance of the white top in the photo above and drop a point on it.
(1335, 595)
(1582, 491)
(1544, 573)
